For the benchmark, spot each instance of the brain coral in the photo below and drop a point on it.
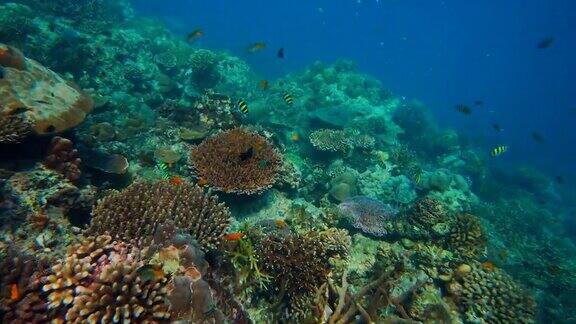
(367, 214)
(134, 213)
(493, 297)
(36, 96)
(237, 161)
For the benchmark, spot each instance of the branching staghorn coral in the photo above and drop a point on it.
(134, 213)
(237, 161)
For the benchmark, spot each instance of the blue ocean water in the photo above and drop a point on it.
(440, 52)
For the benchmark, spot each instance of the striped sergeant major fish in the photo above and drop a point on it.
(243, 106)
(498, 150)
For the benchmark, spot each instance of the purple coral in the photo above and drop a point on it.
(367, 214)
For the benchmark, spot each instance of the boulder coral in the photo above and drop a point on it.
(492, 296)
(34, 96)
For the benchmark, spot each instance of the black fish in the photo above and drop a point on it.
(545, 43)
(280, 53)
(464, 109)
(537, 137)
(479, 103)
(559, 179)
(497, 127)
(247, 155)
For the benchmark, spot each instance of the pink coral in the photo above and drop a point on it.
(367, 214)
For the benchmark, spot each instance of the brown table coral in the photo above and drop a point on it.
(237, 161)
(36, 98)
(134, 213)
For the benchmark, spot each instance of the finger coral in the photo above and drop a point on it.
(340, 140)
(493, 297)
(34, 94)
(97, 281)
(467, 237)
(237, 161)
(134, 213)
(64, 158)
(368, 215)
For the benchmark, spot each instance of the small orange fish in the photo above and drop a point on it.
(280, 223)
(202, 182)
(488, 265)
(176, 181)
(256, 47)
(295, 137)
(194, 35)
(263, 84)
(14, 292)
(234, 236)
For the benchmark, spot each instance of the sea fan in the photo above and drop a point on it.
(367, 214)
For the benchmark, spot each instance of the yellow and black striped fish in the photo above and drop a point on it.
(288, 98)
(243, 106)
(499, 150)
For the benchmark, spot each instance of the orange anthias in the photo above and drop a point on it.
(234, 236)
(14, 292)
(176, 180)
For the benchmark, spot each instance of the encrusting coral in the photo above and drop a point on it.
(134, 213)
(37, 96)
(492, 296)
(237, 161)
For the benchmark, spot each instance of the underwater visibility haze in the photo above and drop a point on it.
(352, 161)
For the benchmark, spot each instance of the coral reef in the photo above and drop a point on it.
(467, 238)
(64, 158)
(38, 96)
(134, 213)
(237, 161)
(493, 296)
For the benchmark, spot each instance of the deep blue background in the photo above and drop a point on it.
(440, 52)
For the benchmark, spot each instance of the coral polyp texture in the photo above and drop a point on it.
(134, 213)
(34, 95)
(237, 161)
(493, 297)
(334, 140)
(368, 214)
(467, 237)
